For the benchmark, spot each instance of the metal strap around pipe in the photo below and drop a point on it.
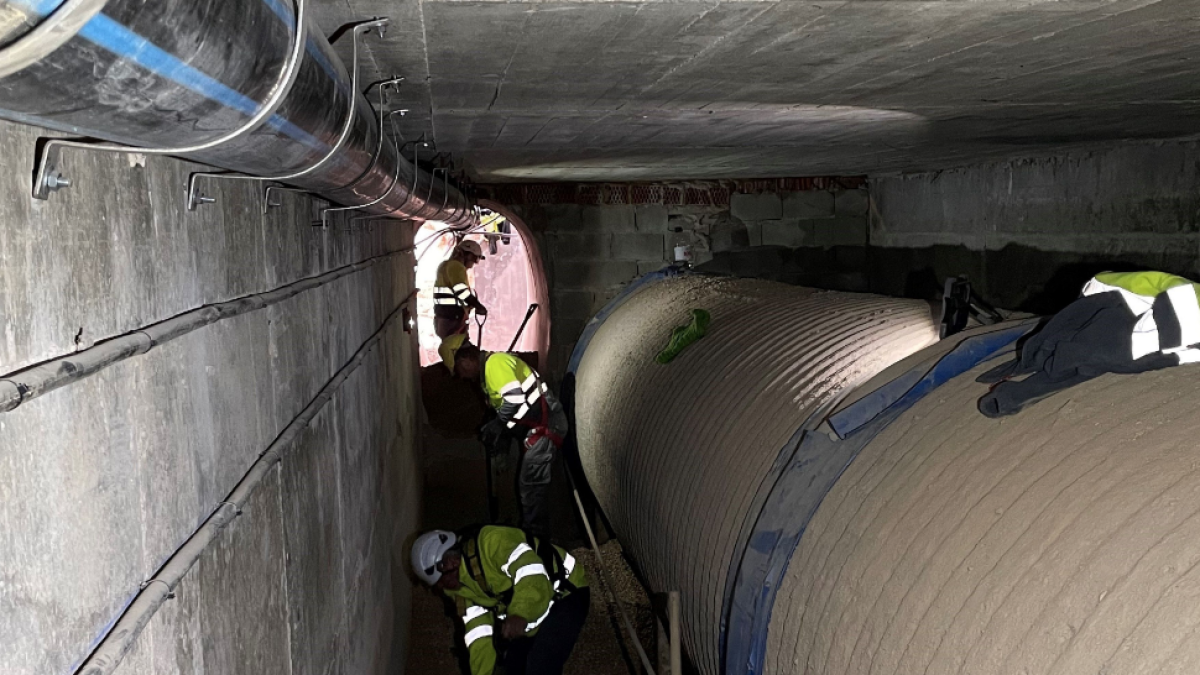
(119, 640)
(358, 29)
(48, 35)
(395, 174)
(23, 385)
(283, 86)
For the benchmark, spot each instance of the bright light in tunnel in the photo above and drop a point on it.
(727, 138)
(503, 282)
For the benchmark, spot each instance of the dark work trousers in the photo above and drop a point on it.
(1090, 337)
(533, 478)
(546, 653)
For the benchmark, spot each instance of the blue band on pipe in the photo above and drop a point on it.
(814, 462)
(594, 324)
(108, 34)
(289, 19)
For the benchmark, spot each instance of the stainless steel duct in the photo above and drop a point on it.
(222, 82)
(680, 455)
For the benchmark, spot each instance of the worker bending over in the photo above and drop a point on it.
(519, 596)
(524, 406)
(452, 295)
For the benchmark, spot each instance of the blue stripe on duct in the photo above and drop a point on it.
(114, 37)
(812, 465)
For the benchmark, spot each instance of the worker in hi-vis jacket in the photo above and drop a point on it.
(524, 406)
(522, 600)
(453, 298)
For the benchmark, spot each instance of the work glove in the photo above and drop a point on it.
(491, 431)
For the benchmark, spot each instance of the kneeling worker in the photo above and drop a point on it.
(523, 403)
(453, 298)
(513, 591)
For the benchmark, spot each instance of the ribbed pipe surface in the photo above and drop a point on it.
(676, 454)
(1062, 541)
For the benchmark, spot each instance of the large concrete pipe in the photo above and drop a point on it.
(1062, 541)
(903, 532)
(191, 78)
(679, 454)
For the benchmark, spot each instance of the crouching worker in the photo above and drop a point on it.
(523, 601)
(524, 406)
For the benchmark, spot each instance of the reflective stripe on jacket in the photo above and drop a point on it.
(452, 286)
(509, 566)
(1167, 307)
(513, 388)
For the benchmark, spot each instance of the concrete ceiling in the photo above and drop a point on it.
(661, 90)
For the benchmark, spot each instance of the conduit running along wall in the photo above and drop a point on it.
(678, 454)
(176, 73)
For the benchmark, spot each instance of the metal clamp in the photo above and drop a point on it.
(356, 30)
(395, 174)
(268, 204)
(47, 177)
(383, 85)
(53, 32)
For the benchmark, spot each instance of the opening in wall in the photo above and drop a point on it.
(507, 282)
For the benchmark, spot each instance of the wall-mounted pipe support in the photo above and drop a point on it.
(277, 105)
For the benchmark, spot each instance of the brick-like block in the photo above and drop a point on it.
(594, 275)
(754, 233)
(842, 231)
(608, 218)
(645, 267)
(808, 205)
(783, 233)
(727, 233)
(556, 218)
(580, 245)
(766, 206)
(851, 203)
(638, 246)
(600, 299)
(650, 218)
(571, 304)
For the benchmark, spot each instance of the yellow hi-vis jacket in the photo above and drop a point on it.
(452, 287)
(503, 574)
(1167, 307)
(513, 388)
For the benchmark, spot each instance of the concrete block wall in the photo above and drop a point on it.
(102, 480)
(1030, 232)
(592, 251)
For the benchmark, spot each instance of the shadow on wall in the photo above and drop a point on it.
(1015, 277)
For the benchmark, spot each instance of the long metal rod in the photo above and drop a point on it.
(609, 586)
(159, 588)
(18, 387)
(529, 313)
(673, 619)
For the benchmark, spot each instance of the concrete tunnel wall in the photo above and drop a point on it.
(676, 454)
(1061, 540)
(102, 480)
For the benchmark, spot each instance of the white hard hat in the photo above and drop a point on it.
(427, 550)
(472, 247)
